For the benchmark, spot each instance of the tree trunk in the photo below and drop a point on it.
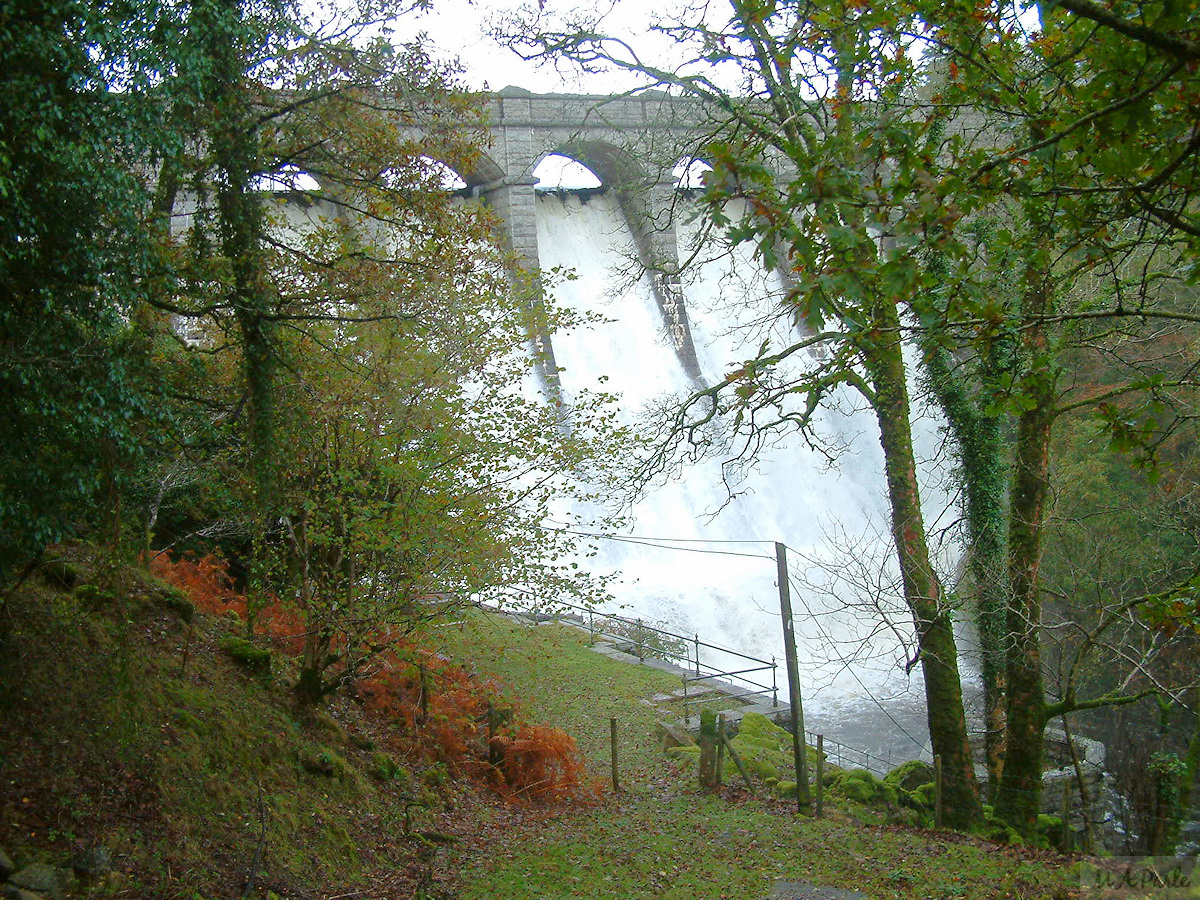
(922, 590)
(1019, 796)
(310, 685)
(984, 472)
(234, 139)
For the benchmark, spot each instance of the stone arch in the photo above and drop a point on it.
(578, 166)
(484, 171)
(645, 200)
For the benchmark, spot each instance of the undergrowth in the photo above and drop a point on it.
(432, 709)
(126, 726)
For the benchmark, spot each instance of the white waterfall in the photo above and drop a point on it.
(715, 574)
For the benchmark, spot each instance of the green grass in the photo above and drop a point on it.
(661, 838)
(107, 739)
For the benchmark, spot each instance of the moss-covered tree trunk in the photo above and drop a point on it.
(1019, 795)
(922, 589)
(983, 460)
(234, 147)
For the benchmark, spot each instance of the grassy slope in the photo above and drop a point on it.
(104, 740)
(660, 837)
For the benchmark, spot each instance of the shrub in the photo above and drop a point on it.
(439, 714)
(204, 580)
(541, 763)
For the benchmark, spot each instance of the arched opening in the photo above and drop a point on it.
(284, 180)
(556, 172)
(447, 179)
(422, 173)
(689, 173)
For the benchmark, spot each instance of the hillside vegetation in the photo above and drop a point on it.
(157, 742)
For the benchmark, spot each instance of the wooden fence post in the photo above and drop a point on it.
(799, 748)
(820, 775)
(737, 761)
(612, 730)
(720, 748)
(708, 741)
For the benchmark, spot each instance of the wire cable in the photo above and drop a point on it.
(653, 542)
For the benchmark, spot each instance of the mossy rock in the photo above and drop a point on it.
(241, 651)
(61, 573)
(690, 753)
(1050, 832)
(830, 774)
(784, 790)
(905, 815)
(384, 768)
(321, 761)
(93, 597)
(176, 601)
(910, 775)
(331, 726)
(764, 747)
(759, 731)
(998, 830)
(861, 786)
(925, 795)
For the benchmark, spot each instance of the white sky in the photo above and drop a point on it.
(459, 28)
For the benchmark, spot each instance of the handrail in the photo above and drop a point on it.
(690, 655)
(738, 672)
(834, 749)
(691, 639)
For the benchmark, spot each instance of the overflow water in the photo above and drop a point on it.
(704, 564)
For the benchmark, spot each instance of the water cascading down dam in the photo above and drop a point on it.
(694, 558)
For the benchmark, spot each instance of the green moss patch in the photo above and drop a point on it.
(256, 659)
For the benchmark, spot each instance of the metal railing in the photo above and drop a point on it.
(684, 650)
(847, 757)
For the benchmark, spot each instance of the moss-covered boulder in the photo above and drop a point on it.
(1051, 832)
(925, 796)
(176, 601)
(689, 753)
(93, 598)
(996, 829)
(61, 573)
(861, 786)
(383, 767)
(766, 748)
(241, 651)
(321, 761)
(785, 790)
(910, 775)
